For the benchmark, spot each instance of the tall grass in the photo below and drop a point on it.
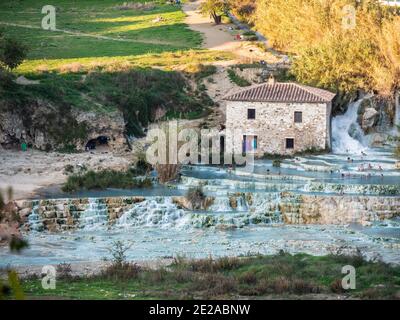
(282, 275)
(92, 180)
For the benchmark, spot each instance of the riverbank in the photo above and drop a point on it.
(28, 172)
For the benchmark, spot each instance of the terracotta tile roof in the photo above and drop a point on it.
(282, 92)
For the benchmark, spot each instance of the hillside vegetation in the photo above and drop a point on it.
(327, 51)
(105, 56)
(130, 31)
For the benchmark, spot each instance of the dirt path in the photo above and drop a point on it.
(222, 37)
(216, 37)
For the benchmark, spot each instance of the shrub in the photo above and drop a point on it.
(200, 71)
(249, 33)
(12, 52)
(312, 31)
(243, 9)
(64, 270)
(252, 38)
(214, 8)
(68, 169)
(142, 167)
(299, 286)
(157, 276)
(248, 278)
(276, 163)
(209, 265)
(17, 244)
(241, 82)
(139, 93)
(336, 286)
(196, 197)
(120, 269)
(104, 179)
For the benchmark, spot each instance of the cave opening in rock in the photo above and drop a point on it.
(99, 143)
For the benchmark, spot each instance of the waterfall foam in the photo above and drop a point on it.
(160, 211)
(95, 215)
(228, 204)
(347, 135)
(34, 220)
(234, 211)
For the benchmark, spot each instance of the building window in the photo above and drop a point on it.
(289, 143)
(298, 117)
(251, 114)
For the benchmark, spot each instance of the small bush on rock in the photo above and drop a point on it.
(196, 197)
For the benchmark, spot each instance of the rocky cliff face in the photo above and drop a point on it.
(110, 125)
(45, 126)
(376, 117)
(312, 209)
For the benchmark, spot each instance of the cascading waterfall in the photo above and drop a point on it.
(34, 220)
(347, 135)
(268, 204)
(234, 211)
(228, 204)
(221, 204)
(160, 211)
(95, 215)
(238, 211)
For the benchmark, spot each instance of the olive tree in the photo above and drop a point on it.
(12, 52)
(215, 8)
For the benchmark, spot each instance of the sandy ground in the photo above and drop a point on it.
(221, 37)
(29, 171)
(85, 268)
(216, 37)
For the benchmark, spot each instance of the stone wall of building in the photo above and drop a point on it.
(274, 123)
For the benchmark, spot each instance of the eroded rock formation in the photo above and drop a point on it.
(284, 207)
(45, 126)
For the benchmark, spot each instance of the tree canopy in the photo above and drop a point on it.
(215, 8)
(344, 45)
(12, 52)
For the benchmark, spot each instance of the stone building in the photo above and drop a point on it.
(278, 118)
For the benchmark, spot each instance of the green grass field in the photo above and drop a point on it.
(104, 59)
(133, 35)
(98, 18)
(79, 68)
(282, 275)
